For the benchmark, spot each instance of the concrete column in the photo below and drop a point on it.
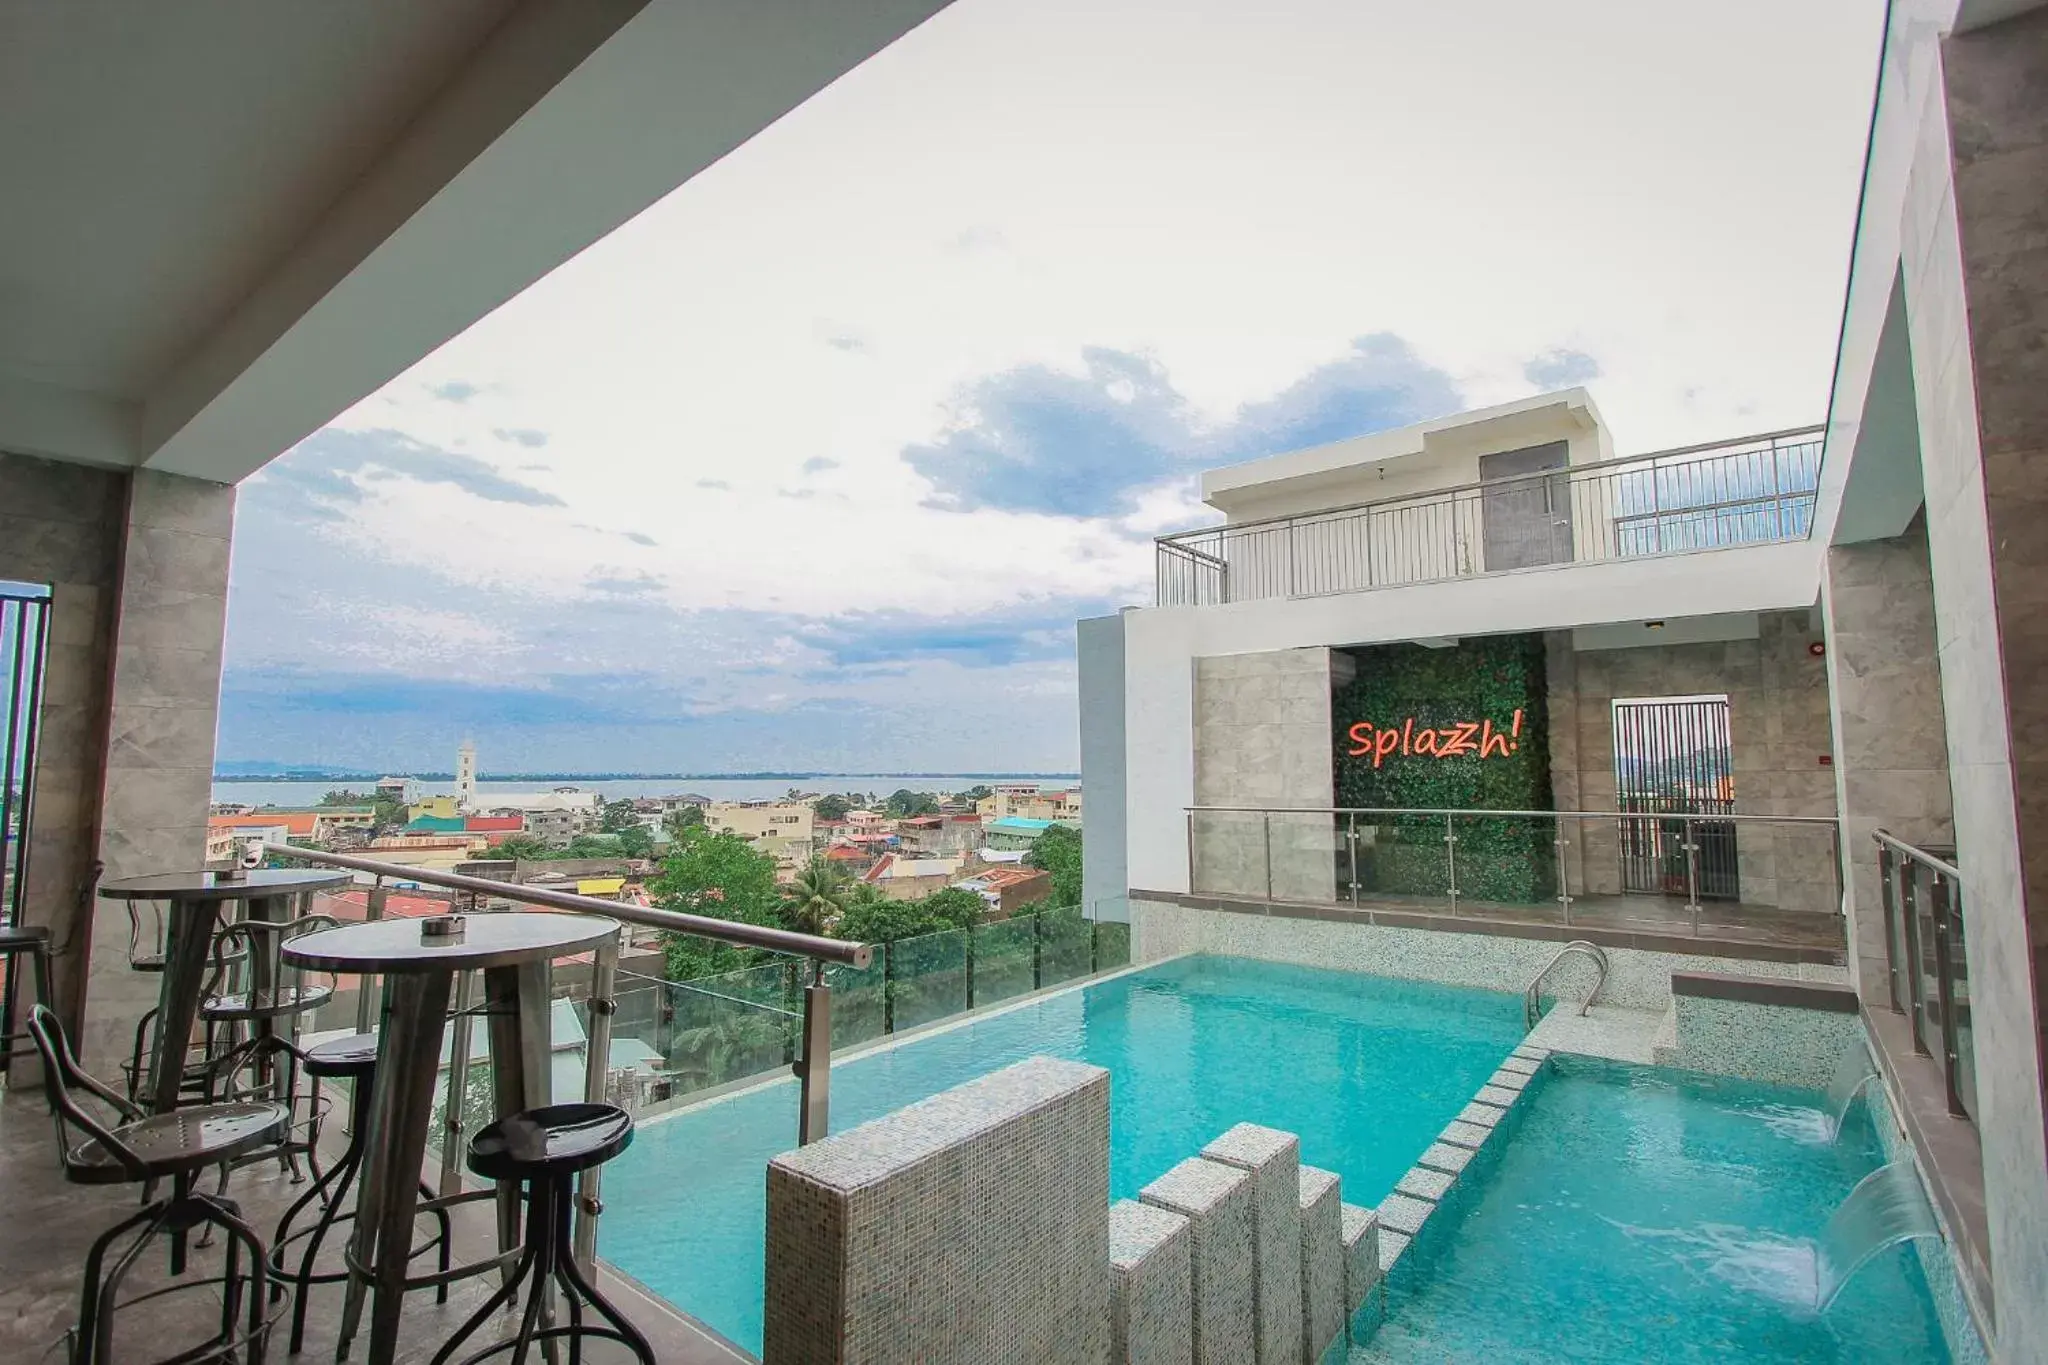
(1891, 755)
(1105, 853)
(170, 614)
(1976, 289)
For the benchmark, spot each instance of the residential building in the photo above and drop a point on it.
(908, 879)
(404, 790)
(784, 821)
(1014, 832)
(1028, 801)
(433, 808)
(940, 834)
(465, 776)
(319, 825)
(1009, 889)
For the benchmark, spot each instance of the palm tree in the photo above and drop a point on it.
(815, 898)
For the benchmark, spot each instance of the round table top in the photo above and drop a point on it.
(212, 886)
(497, 939)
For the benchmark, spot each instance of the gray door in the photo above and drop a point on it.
(1526, 521)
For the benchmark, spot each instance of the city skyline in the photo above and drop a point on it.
(814, 464)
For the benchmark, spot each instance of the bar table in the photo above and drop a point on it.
(419, 966)
(194, 901)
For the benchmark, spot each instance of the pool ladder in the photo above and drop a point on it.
(1530, 1011)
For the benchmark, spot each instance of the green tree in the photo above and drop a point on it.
(637, 842)
(974, 794)
(521, 846)
(814, 900)
(904, 803)
(684, 817)
(722, 876)
(1058, 851)
(832, 807)
(618, 816)
(955, 906)
(871, 917)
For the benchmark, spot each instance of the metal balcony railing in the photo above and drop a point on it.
(1686, 871)
(813, 1064)
(1930, 975)
(1751, 491)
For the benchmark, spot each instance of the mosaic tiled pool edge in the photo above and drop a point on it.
(1419, 1219)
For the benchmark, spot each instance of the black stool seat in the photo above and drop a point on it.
(545, 1147)
(181, 1141)
(14, 937)
(553, 1140)
(267, 1004)
(343, 1058)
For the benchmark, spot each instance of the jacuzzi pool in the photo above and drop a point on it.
(1366, 1070)
(1643, 1214)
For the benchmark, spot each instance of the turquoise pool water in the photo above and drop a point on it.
(1638, 1215)
(1366, 1070)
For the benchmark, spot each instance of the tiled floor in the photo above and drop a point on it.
(1603, 1031)
(46, 1225)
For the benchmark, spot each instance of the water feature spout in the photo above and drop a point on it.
(1886, 1207)
(1853, 1072)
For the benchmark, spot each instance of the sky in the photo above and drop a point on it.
(814, 464)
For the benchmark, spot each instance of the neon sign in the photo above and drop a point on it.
(1460, 738)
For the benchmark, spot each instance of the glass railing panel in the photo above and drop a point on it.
(1066, 945)
(1960, 1004)
(1112, 945)
(1506, 865)
(927, 978)
(1228, 853)
(860, 1001)
(1402, 860)
(1310, 856)
(727, 1028)
(1003, 959)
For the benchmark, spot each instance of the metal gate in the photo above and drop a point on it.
(24, 632)
(1673, 759)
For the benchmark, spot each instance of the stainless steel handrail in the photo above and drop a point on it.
(1515, 814)
(1921, 855)
(1741, 445)
(703, 926)
(1904, 874)
(1577, 945)
(813, 1064)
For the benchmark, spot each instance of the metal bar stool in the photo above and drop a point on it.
(250, 1058)
(546, 1147)
(178, 1147)
(15, 941)
(352, 1059)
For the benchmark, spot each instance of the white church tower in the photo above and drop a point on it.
(465, 776)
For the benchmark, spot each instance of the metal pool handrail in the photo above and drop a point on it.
(1577, 945)
(813, 1063)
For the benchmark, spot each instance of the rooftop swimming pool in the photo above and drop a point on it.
(1638, 1214)
(1366, 1070)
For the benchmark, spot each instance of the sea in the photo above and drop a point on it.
(304, 792)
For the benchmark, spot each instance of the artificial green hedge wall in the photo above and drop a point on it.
(1483, 681)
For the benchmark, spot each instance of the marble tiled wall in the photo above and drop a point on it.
(1975, 275)
(1778, 722)
(1262, 738)
(60, 524)
(1891, 751)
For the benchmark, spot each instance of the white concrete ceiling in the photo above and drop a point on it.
(227, 220)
